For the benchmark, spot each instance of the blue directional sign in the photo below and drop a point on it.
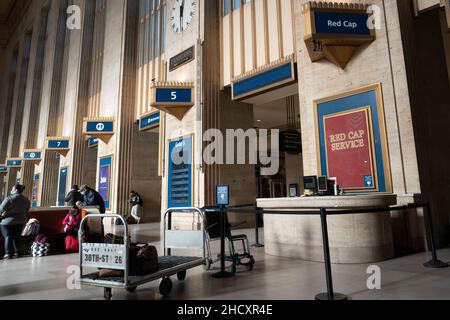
(178, 96)
(3, 169)
(150, 121)
(14, 163)
(223, 195)
(99, 127)
(32, 155)
(63, 172)
(93, 142)
(180, 173)
(58, 144)
(342, 23)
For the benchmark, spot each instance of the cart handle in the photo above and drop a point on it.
(105, 215)
(168, 222)
(125, 238)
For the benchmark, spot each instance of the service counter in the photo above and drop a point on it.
(358, 238)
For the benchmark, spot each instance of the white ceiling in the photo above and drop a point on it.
(269, 109)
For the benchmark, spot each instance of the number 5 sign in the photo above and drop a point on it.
(174, 98)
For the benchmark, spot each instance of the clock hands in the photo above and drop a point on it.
(181, 14)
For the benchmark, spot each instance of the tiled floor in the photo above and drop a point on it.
(273, 278)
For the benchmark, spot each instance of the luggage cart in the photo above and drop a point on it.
(115, 256)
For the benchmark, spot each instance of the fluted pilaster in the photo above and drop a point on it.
(211, 87)
(125, 119)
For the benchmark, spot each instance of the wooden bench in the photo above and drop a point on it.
(51, 224)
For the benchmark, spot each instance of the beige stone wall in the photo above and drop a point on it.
(144, 178)
(378, 62)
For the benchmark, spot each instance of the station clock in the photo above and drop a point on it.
(182, 14)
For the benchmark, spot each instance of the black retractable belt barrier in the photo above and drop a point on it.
(435, 262)
(330, 294)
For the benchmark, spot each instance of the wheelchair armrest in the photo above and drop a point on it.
(212, 226)
(237, 225)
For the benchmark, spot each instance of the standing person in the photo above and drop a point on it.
(136, 206)
(13, 216)
(92, 198)
(73, 196)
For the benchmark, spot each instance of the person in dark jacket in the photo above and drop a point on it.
(136, 206)
(92, 198)
(13, 217)
(73, 197)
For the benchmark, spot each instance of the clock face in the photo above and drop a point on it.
(182, 14)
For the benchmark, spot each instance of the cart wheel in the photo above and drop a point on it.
(107, 294)
(181, 275)
(207, 265)
(233, 268)
(250, 267)
(165, 287)
(132, 289)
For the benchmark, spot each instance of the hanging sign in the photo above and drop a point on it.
(34, 155)
(290, 142)
(275, 75)
(3, 169)
(149, 121)
(93, 142)
(102, 128)
(335, 30)
(14, 163)
(175, 98)
(59, 144)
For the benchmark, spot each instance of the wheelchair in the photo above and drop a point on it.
(245, 258)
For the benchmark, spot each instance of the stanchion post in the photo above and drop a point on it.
(330, 294)
(222, 199)
(169, 227)
(257, 244)
(434, 262)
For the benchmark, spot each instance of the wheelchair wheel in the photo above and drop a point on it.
(207, 265)
(165, 287)
(132, 289)
(233, 268)
(181, 275)
(250, 267)
(107, 294)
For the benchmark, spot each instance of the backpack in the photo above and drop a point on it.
(31, 229)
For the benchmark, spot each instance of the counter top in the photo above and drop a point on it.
(330, 202)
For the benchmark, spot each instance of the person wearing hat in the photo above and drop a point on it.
(73, 196)
(13, 217)
(92, 198)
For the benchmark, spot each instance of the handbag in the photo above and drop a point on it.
(143, 260)
(40, 249)
(72, 244)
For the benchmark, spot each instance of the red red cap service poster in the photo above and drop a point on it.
(349, 149)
